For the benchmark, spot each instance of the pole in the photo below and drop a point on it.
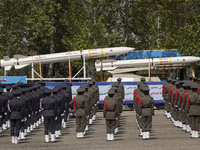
(70, 73)
(32, 69)
(40, 67)
(149, 70)
(84, 67)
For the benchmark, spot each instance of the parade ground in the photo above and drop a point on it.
(164, 136)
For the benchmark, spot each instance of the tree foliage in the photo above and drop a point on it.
(31, 27)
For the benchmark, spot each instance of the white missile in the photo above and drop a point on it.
(20, 61)
(138, 64)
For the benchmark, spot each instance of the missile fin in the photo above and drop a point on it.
(6, 58)
(20, 66)
(19, 56)
(7, 68)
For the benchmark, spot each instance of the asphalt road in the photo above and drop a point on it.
(164, 136)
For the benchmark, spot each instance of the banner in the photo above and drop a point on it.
(129, 87)
(12, 79)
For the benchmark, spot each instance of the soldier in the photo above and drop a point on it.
(146, 113)
(8, 95)
(167, 97)
(2, 110)
(48, 111)
(58, 119)
(15, 107)
(80, 105)
(179, 101)
(96, 99)
(87, 109)
(121, 91)
(91, 101)
(193, 103)
(115, 88)
(110, 112)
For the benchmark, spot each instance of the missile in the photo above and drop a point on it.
(140, 64)
(20, 61)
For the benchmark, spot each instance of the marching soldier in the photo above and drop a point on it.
(80, 105)
(193, 103)
(167, 97)
(121, 91)
(110, 113)
(146, 112)
(15, 107)
(48, 111)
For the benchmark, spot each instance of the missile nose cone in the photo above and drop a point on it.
(193, 59)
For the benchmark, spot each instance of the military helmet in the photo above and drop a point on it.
(110, 92)
(80, 90)
(119, 79)
(194, 86)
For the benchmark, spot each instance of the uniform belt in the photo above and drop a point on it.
(110, 110)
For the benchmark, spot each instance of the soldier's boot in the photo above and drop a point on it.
(16, 140)
(168, 115)
(64, 124)
(165, 113)
(87, 128)
(22, 136)
(78, 135)
(34, 125)
(31, 128)
(46, 138)
(147, 135)
(192, 134)
(196, 134)
(28, 130)
(8, 123)
(25, 132)
(108, 137)
(52, 138)
(112, 138)
(37, 124)
(116, 130)
(84, 133)
(90, 121)
(42, 119)
(57, 134)
(4, 127)
(144, 135)
(180, 124)
(184, 127)
(13, 140)
(1, 130)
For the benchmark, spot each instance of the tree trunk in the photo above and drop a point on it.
(51, 66)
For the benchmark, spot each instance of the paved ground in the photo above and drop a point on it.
(164, 137)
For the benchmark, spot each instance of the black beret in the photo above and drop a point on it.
(16, 92)
(142, 79)
(194, 86)
(47, 91)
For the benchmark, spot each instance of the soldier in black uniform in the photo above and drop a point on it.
(48, 111)
(8, 95)
(110, 112)
(15, 107)
(58, 118)
(2, 110)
